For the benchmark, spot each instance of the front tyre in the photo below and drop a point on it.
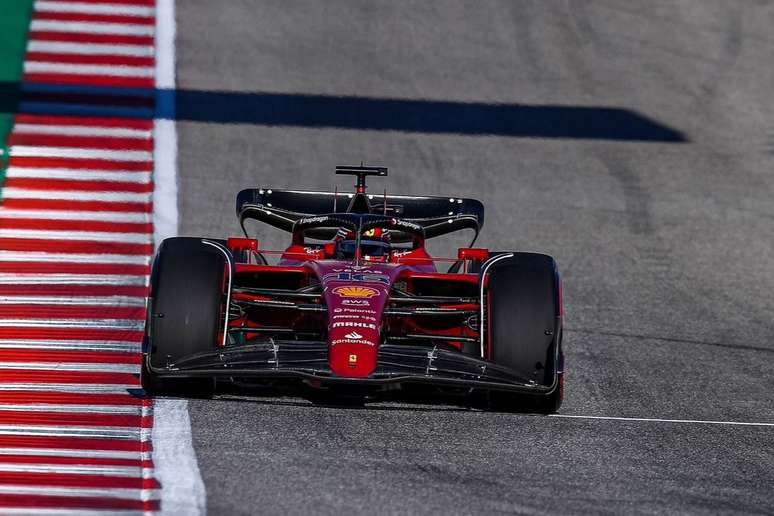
(185, 312)
(524, 326)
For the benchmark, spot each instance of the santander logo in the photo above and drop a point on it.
(353, 335)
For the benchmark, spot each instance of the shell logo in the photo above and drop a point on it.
(362, 292)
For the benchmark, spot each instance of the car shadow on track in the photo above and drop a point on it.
(325, 111)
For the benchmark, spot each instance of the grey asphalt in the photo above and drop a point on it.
(666, 247)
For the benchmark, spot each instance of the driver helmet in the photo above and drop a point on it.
(380, 234)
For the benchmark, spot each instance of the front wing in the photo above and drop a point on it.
(397, 365)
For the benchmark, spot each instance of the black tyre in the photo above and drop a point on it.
(524, 327)
(185, 313)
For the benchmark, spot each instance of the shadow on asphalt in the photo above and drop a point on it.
(300, 402)
(362, 113)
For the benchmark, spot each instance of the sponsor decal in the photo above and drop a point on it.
(355, 311)
(353, 335)
(366, 277)
(356, 292)
(355, 302)
(352, 360)
(357, 268)
(353, 324)
(352, 341)
(406, 224)
(354, 316)
(312, 220)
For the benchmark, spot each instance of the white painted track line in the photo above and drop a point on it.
(134, 410)
(88, 69)
(80, 152)
(659, 420)
(93, 49)
(72, 279)
(165, 215)
(94, 324)
(127, 259)
(82, 130)
(79, 174)
(38, 511)
(74, 345)
(129, 433)
(94, 8)
(103, 216)
(67, 452)
(174, 457)
(72, 367)
(73, 300)
(97, 492)
(76, 195)
(65, 469)
(94, 236)
(77, 388)
(117, 29)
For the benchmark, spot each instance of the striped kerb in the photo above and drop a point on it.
(76, 239)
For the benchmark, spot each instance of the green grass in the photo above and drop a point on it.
(14, 25)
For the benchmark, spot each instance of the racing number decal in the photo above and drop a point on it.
(367, 277)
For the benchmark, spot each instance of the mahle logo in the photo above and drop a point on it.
(354, 324)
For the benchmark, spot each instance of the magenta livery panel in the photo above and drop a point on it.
(356, 297)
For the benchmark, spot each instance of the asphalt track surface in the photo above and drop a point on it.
(664, 237)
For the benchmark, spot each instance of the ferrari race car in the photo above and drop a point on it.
(356, 307)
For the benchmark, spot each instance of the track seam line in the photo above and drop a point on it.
(660, 420)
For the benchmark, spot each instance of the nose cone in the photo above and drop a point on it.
(354, 327)
(353, 359)
(356, 297)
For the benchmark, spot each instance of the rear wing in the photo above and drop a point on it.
(282, 208)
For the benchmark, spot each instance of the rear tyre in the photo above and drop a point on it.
(524, 327)
(184, 314)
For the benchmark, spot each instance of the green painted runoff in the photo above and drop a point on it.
(14, 26)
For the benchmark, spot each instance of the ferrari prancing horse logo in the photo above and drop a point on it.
(361, 292)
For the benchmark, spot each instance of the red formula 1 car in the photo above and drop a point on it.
(356, 307)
